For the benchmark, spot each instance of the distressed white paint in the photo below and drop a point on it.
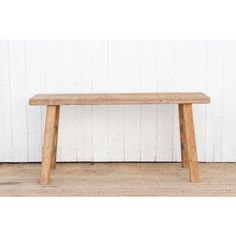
(117, 133)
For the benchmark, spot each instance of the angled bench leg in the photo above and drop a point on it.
(188, 143)
(48, 144)
(183, 141)
(54, 153)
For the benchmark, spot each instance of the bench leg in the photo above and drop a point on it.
(188, 143)
(54, 153)
(48, 144)
(183, 141)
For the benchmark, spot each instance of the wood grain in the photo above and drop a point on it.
(118, 179)
(190, 150)
(49, 141)
(183, 139)
(54, 153)
(119, 98)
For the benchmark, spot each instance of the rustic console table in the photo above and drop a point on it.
(184, 101)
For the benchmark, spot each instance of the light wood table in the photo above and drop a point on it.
(184, 101)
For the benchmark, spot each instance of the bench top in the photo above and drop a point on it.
(119, 98)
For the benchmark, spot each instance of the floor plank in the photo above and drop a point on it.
(118, 179)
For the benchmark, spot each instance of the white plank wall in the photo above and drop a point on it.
(117, 133)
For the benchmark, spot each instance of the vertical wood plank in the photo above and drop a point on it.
(132, 76)
(165, 83)
(67, 82)
(5, 104)
(181, 84)
(52, 78)
(84, 131)
(19, 101)
(229, 98)
(197, 77)
(214, 114)
(35, 72)
(149, 64)
(116, 113)
(99, 69)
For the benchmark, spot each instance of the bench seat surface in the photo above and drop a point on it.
(119, 98)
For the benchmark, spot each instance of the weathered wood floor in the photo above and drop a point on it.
(118, 179)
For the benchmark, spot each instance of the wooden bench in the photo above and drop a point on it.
(184, 101)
